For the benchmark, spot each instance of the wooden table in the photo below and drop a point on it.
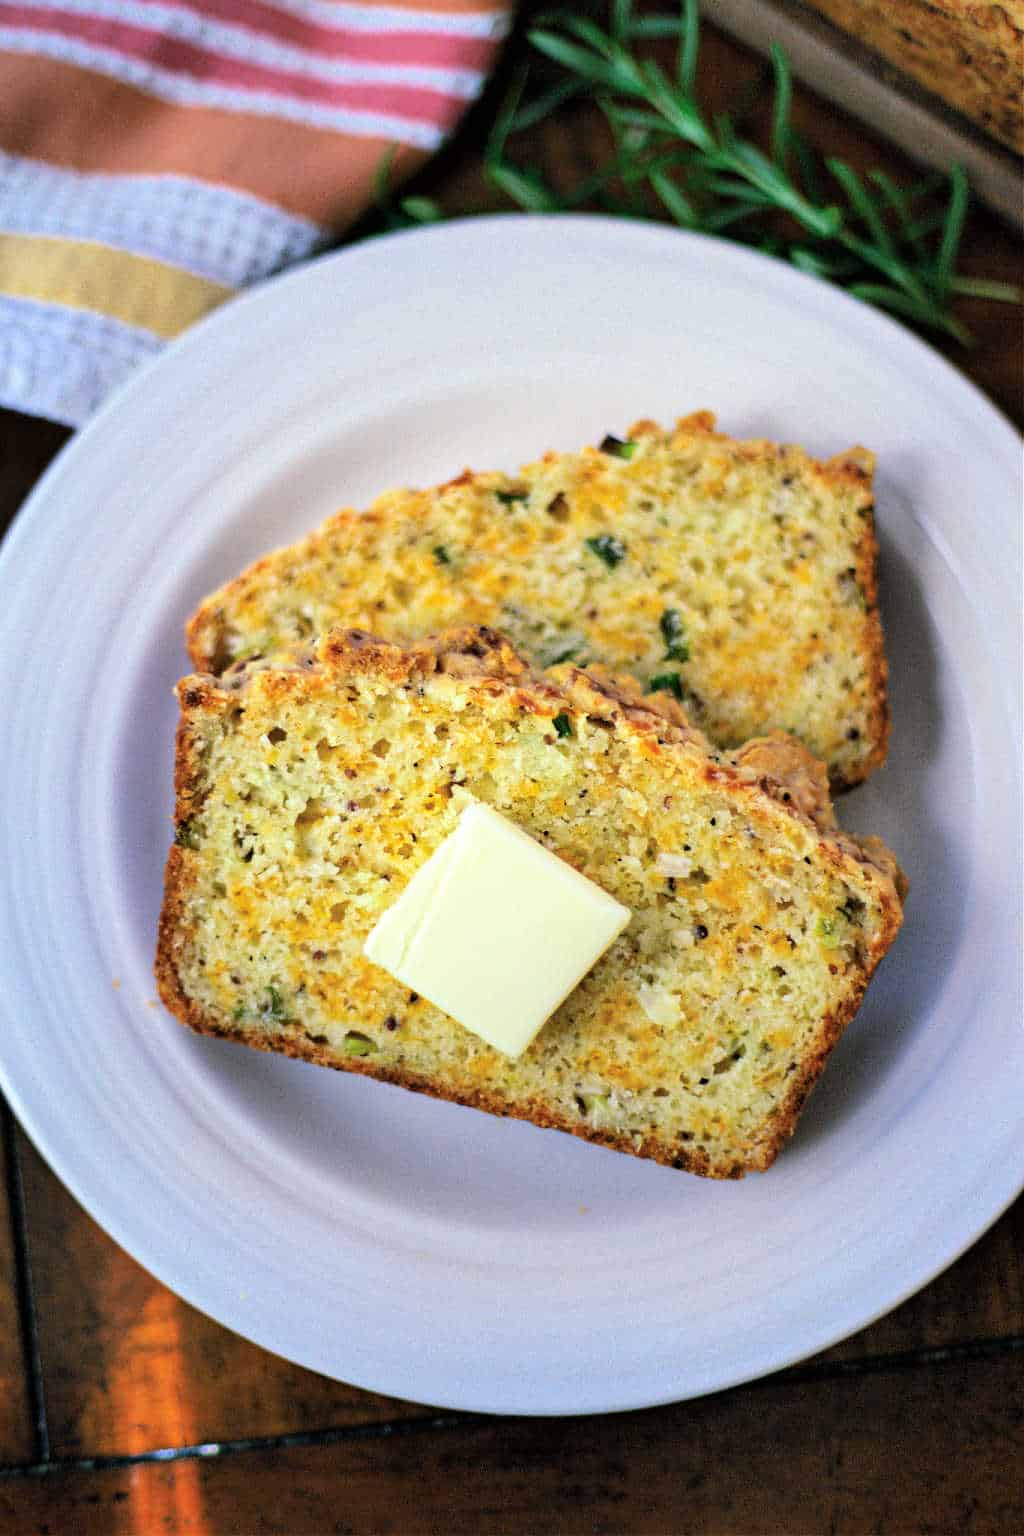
(123, 1410)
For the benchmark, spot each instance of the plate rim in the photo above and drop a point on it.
(234, 314)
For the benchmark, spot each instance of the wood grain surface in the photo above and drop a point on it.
(914, 1425)
(129, 1367)
(870, 1452)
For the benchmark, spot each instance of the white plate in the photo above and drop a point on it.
(418, 1248)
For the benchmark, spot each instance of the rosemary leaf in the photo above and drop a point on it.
(689, 45)
(781, 106)
(677, 203)
(622, 18)
(987, 288)
(899, 204)
(862, 204)
(589, 32)
(953, 227)
(421, 210)
(525, 187)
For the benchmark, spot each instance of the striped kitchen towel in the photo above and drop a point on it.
(157, 155)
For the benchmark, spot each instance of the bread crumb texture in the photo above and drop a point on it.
(310, 789)
(739, 576)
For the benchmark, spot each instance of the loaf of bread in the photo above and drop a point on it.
(738, 575)
(969, 52)
(310, 789)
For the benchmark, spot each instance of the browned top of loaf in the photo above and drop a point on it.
(970, 54)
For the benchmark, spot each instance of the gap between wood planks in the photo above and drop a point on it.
(972, 1350)
(28, 1323)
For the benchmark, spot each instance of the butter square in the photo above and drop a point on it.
(495, 930)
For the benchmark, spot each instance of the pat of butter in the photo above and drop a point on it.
(495, 930)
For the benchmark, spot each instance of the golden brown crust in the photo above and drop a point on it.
(874, 655)
(784, 1122)
(794, 774)
(176, 883)
(297, 1043)
(852, 470)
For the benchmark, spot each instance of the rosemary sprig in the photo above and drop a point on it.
(891, 246)
(882, 243)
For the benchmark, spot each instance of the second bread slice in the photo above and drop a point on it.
(738, 575)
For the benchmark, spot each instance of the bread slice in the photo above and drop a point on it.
(309, 792)
(739, 575)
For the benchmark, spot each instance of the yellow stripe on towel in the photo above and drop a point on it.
(82, 274)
